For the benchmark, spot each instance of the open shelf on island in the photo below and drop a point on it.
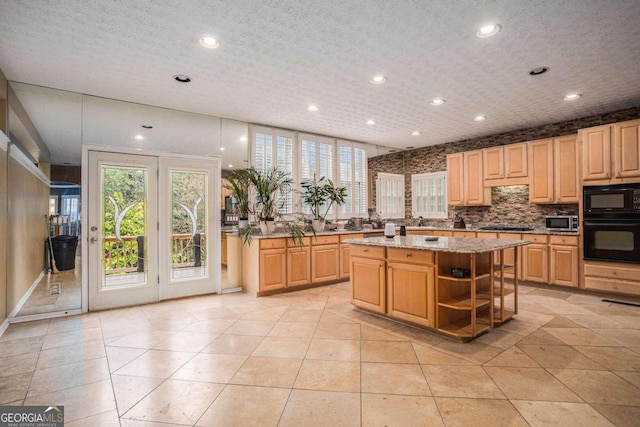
(464, 329)
(465, 303)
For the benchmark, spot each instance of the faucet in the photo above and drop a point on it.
(420, 223)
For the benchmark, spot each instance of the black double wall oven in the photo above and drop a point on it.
(611, 223)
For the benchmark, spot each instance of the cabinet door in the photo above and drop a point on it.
(515, 160)
(626, 149)
(564, 265)
(324, 263)
(536, 263)
(368, 283)
(541, 171)
(298, 266)
(493, 163)
(455, 179)
(411, 293)
(273, 269)
(223, 249)
(345, 265)
(473, 182)
(566, 169)
(596, 153)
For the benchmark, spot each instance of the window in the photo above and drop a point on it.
(352, 171)
(316, 157)
(390, 195)
(267, 154)
(429, 195)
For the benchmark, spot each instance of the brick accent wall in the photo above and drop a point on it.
(510, 204)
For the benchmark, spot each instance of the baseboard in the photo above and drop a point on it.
(230, 290)
(43, 316)
(27, 294)
(4, 326)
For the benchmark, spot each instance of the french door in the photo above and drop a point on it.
(152, 223)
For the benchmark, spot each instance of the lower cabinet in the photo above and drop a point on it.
(325, 254)
(223, 249)
(410, 292)
(536, 263)
(273, 269)
(298, 266)
(612, 277)
(368, 278)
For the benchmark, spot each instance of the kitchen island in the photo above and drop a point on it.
(455, 286)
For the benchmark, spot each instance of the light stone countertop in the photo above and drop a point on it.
(443, 244)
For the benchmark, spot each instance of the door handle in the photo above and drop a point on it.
(94, 228)
(93, 239)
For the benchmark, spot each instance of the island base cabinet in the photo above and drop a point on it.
(368, 284)
(411, 293)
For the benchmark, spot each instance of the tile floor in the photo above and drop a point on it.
(309, 359)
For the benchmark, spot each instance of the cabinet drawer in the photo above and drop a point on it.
(351, 236)
(326, 240)
(536, 238)
(483, 235)
(613, 272)
(464, 234)
(510, 236)
(608, 285)
(273, 243)
(564, 240)
(410, 255)
(366, 251)
(306, 241)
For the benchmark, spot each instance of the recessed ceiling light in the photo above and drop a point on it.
(312, 107)
(415, 133)
(437, 101)
(370, 122)
(221, 148)
(378, 80)
(182, 78)
(243, 139)
(230, 165)
(489, 30)
(147, 126)
(538, 71)
(209, 42)
(572, 97)
(139, 137)
(479, 118)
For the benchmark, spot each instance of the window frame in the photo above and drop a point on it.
(415, 198)
(399, 181)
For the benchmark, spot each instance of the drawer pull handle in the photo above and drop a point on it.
(408, 255)
(365, 250)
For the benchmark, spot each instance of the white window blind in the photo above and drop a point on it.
(316, 157)
(429, 195)
(352, 167)
(390, 195)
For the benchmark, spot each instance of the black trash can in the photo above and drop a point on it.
(64, 251)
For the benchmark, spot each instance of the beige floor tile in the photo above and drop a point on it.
(417, 335)
(473, 351)
(73, 337)
(272, 314)
(620, 416)
(293, 329)
(329, 375)
(79, 402)
(317, 304)
(626, 337)
(294, 348)
(20, 364)
(393, 378)
(120, 356)
(21, 346)
(124, 422)
(628, 321)
(392, 410)
(562, 322)
(246, 406)
(338, 331)
(61, 377)
(530, 384)
(240, 345)
(155, 364)
(63, 324)
(61, 356)
(105, 419)
(268, 372)
(17, 331)
(371, 320)
(175, 401)
(312, 408)
(176, 323)
(369, 333)
(130, 390)
(334, 349)
(516, 326)
(461, 381)
(594, 321)
(632, 377)
(613, 358)
(513, 357)
(479, 412)
(216, 326)
(559, 356)
(14, 387)
(186, 341)
(251, 327)
(534, 318)
(432, 356)
(582, 336)
(214, 368)
(499, 338)
(599, 386)
(390, 352)
(146, 339)
(540, 336)
(300, 315)
(560, 414)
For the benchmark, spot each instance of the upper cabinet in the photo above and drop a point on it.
(553, 170)
(607, 162)
(465, 182)
(505, 165)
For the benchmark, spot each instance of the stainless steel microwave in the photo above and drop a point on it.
(562, 223)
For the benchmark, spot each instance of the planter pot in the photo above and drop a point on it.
(243, 223)
(267, 227)
(318, 225)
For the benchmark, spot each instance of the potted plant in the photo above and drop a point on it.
(267, 186)
(320, 195)
(239, 186)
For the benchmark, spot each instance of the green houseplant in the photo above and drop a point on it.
(319, 195)
(239, 183)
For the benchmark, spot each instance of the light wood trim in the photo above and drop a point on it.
(442, 233)
(413, 256)
(325, 240)
(536, 238)
(344, 237)
(486, 235)
(464, 234)
(365, 251)
(563, 240)
(273, 243)
(306, 241)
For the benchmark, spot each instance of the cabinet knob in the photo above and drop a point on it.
(408, 255)
(365, 250)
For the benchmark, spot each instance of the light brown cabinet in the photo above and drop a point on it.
(368, 278)
(223, 249)
(553, 170)
(325, 254)
(455, 179)
(612, 277)
(564, 265)
(345, 252)
(224, 192)
(611, 153)
(515, 160)
(493, 163)
(535, 258)
(465, 180)
(626, 149)
(411, 292)
(273, 269)
(565, 175)
(298, 263)
(505, 165)
(596, 153)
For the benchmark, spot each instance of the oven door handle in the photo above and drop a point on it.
(608, 223)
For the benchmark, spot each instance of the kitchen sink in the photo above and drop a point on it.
(504, 228)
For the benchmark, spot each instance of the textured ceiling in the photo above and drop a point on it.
(277, 57)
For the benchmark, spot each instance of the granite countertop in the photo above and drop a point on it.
(308, 234)
(474, 228)
(443, 244)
